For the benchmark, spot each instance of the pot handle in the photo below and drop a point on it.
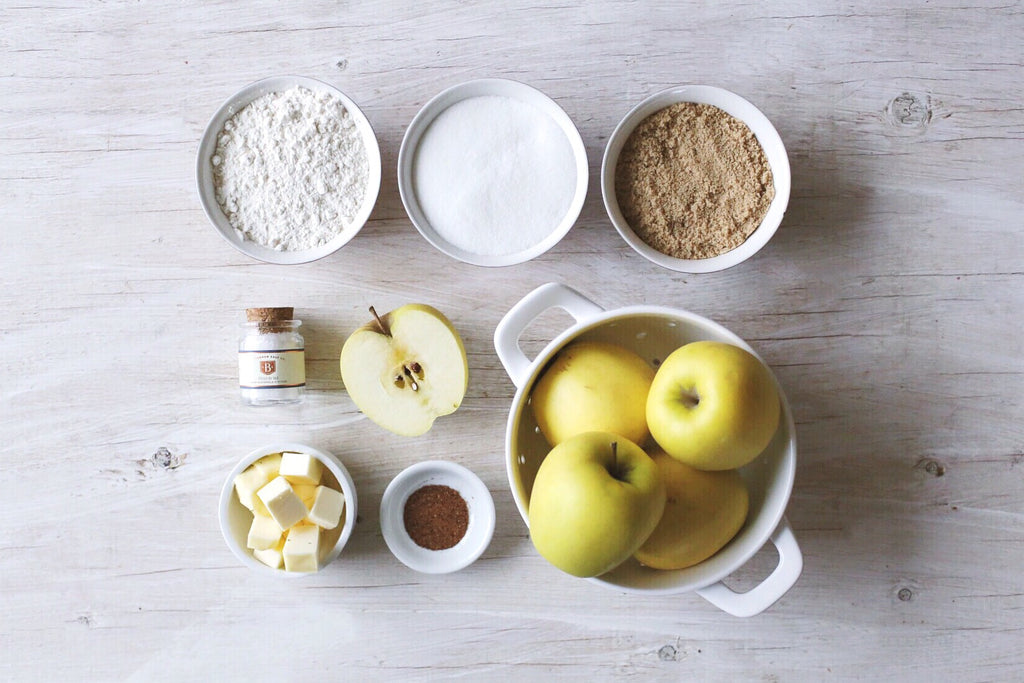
(519, 317)
(764, 595)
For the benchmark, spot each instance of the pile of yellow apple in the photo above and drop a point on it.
(644, 462)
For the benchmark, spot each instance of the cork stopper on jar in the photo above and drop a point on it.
(270, 319)
(268, 315)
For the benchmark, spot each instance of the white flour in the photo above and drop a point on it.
(290, 170)
(493, 175)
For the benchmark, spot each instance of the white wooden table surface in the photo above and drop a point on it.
(889, 303)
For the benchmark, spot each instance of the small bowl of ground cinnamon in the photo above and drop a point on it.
(437, 517)
(695, 179)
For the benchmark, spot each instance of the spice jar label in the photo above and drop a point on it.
(271, 369)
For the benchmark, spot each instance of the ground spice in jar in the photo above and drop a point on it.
(271, 357)
(436, 517)
(692, 181)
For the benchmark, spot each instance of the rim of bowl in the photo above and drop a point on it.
(477, 88)
(204, 173)
(227, 497)
(767, 137)
(787, 470)
(481, 517)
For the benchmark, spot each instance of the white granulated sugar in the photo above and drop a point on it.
(290, 170)
(494, 175)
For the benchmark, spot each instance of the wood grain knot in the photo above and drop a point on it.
(905, 594)
(932, 467)
(910, 110)
(164, 459)
(668, 653)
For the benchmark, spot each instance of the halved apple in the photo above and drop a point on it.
(406, 368)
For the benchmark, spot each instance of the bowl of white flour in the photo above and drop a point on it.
(288, 170)
(492, 172)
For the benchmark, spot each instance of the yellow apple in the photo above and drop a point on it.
(406, 368)
(593, 386)
(703, 511)
(713, 406)
(596, 498)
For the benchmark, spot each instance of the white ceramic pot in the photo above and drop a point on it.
(654, 332)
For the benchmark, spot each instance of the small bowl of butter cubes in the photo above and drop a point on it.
(288, 508)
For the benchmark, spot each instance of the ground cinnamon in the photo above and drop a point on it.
(436, 517)
(692, 181)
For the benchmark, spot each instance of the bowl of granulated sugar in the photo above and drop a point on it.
(288, 170)
(492, 172)
(695, 179)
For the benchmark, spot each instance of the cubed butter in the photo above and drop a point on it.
(249, 482)
(271, 557)
(307, 492)
(301, 468)
(269, 464)
(263, 533)
(302, 549)
(284, 506)
(327, 507)
(258, 508)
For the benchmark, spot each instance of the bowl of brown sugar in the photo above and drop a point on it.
(695, 179)
(437, 517)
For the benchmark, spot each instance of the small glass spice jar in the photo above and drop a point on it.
(271, 357)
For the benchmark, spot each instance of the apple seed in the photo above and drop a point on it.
(412, 380)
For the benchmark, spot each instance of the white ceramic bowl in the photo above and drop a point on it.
(235, 518)
(654, 332)
(204, 170)
(734, 105)
(477, 88)
(481, 517)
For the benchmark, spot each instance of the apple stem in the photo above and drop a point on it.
(380, 323)
(618, 473)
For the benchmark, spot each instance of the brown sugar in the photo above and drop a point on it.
(436, 517)
(692, 181)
